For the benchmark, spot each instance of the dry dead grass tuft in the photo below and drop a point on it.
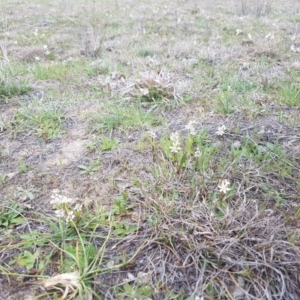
(243, 255)
(257, 8)
(28, 54)
(157, 87)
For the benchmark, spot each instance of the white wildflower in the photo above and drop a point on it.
(224, 186)
(238, 31)
(144, 91)
(295, 48)
(36, 32)
(70, 217)
(47, 52)
(270, 36)
(55, 192)
(65, 199)
(198, 153)
(60, 213)
(190, 127)
(249, 36)
(152, 134)
(69, 59)
(78, 207)
(221, 130)
(174, 137)
(58, 199)
(175, 148)
(37, 58)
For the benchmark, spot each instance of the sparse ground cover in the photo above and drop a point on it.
(150, 150)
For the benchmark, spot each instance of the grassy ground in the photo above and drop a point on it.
(149, 149)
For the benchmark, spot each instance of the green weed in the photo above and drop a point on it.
(108, 144)
(47, 123)
(11, 216)
(134, 291)
(27, 194)
(289, 94)
(120, 205)
(90, 169)
(26, 259)
(145, 53)
(226, 103)
(22, 167)
(12, 89)
(125, 117)
(3, 178)
(53, 72)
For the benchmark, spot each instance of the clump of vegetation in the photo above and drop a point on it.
(160, 157)
(157, 87)
(9, 90)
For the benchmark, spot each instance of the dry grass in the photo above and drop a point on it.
(91, 115)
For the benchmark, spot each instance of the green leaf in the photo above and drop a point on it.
(82, 167)
(33, 238)
(18, 221)
(182, 162)
(298, 213)
(123, 229)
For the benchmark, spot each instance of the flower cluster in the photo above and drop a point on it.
(63, 204)
(221, 130)
(176, 142)
(58, 199)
